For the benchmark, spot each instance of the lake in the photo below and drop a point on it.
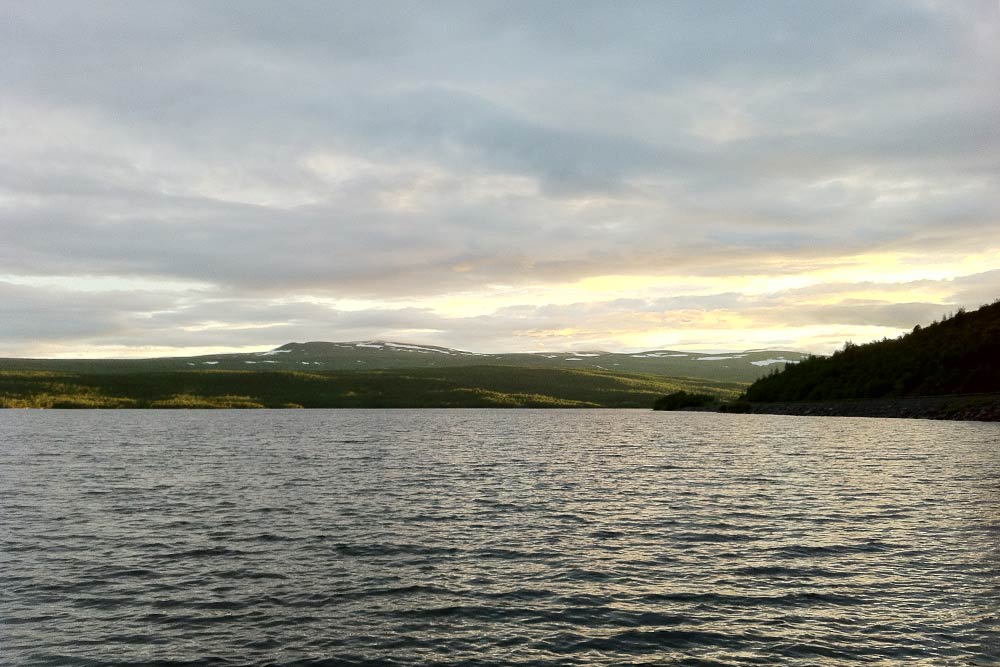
(496, 537)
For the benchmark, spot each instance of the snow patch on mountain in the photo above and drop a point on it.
(417, 348)
(768, 362)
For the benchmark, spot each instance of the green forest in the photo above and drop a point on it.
(471, 386)
(959, 355)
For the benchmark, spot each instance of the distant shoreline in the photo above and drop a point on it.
(966, 407)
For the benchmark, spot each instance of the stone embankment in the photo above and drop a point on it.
(969, 407)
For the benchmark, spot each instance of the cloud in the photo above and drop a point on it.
(407, 152)
(46, 318)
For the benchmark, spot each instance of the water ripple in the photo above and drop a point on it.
(476, 537)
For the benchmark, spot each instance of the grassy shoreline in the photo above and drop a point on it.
(470, 386)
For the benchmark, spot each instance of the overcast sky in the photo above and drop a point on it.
(186, 177)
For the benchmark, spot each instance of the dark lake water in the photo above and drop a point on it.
(489, 537)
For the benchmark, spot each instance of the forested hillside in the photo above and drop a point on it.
(959, 355)
(471, 386)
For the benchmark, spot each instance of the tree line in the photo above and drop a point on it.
(958, 355)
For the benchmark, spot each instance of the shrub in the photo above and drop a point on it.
(682, 400)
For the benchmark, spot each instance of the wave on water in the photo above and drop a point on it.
(481, 537)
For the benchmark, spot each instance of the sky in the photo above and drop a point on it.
(188, 177)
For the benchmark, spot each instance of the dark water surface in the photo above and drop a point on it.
(489, 537)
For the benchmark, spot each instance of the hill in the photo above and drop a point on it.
(742, 367)
(468, 386)
(959, 355)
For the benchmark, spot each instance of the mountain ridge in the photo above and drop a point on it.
(377, 354)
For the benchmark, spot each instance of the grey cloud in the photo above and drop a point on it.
(976, 290)
(36, 316)
(44, 314)
(878, 314)
(491, 143)
(345, 249)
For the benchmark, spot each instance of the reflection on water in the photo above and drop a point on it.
(478, 537)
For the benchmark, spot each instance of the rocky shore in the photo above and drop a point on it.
(971, 407)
